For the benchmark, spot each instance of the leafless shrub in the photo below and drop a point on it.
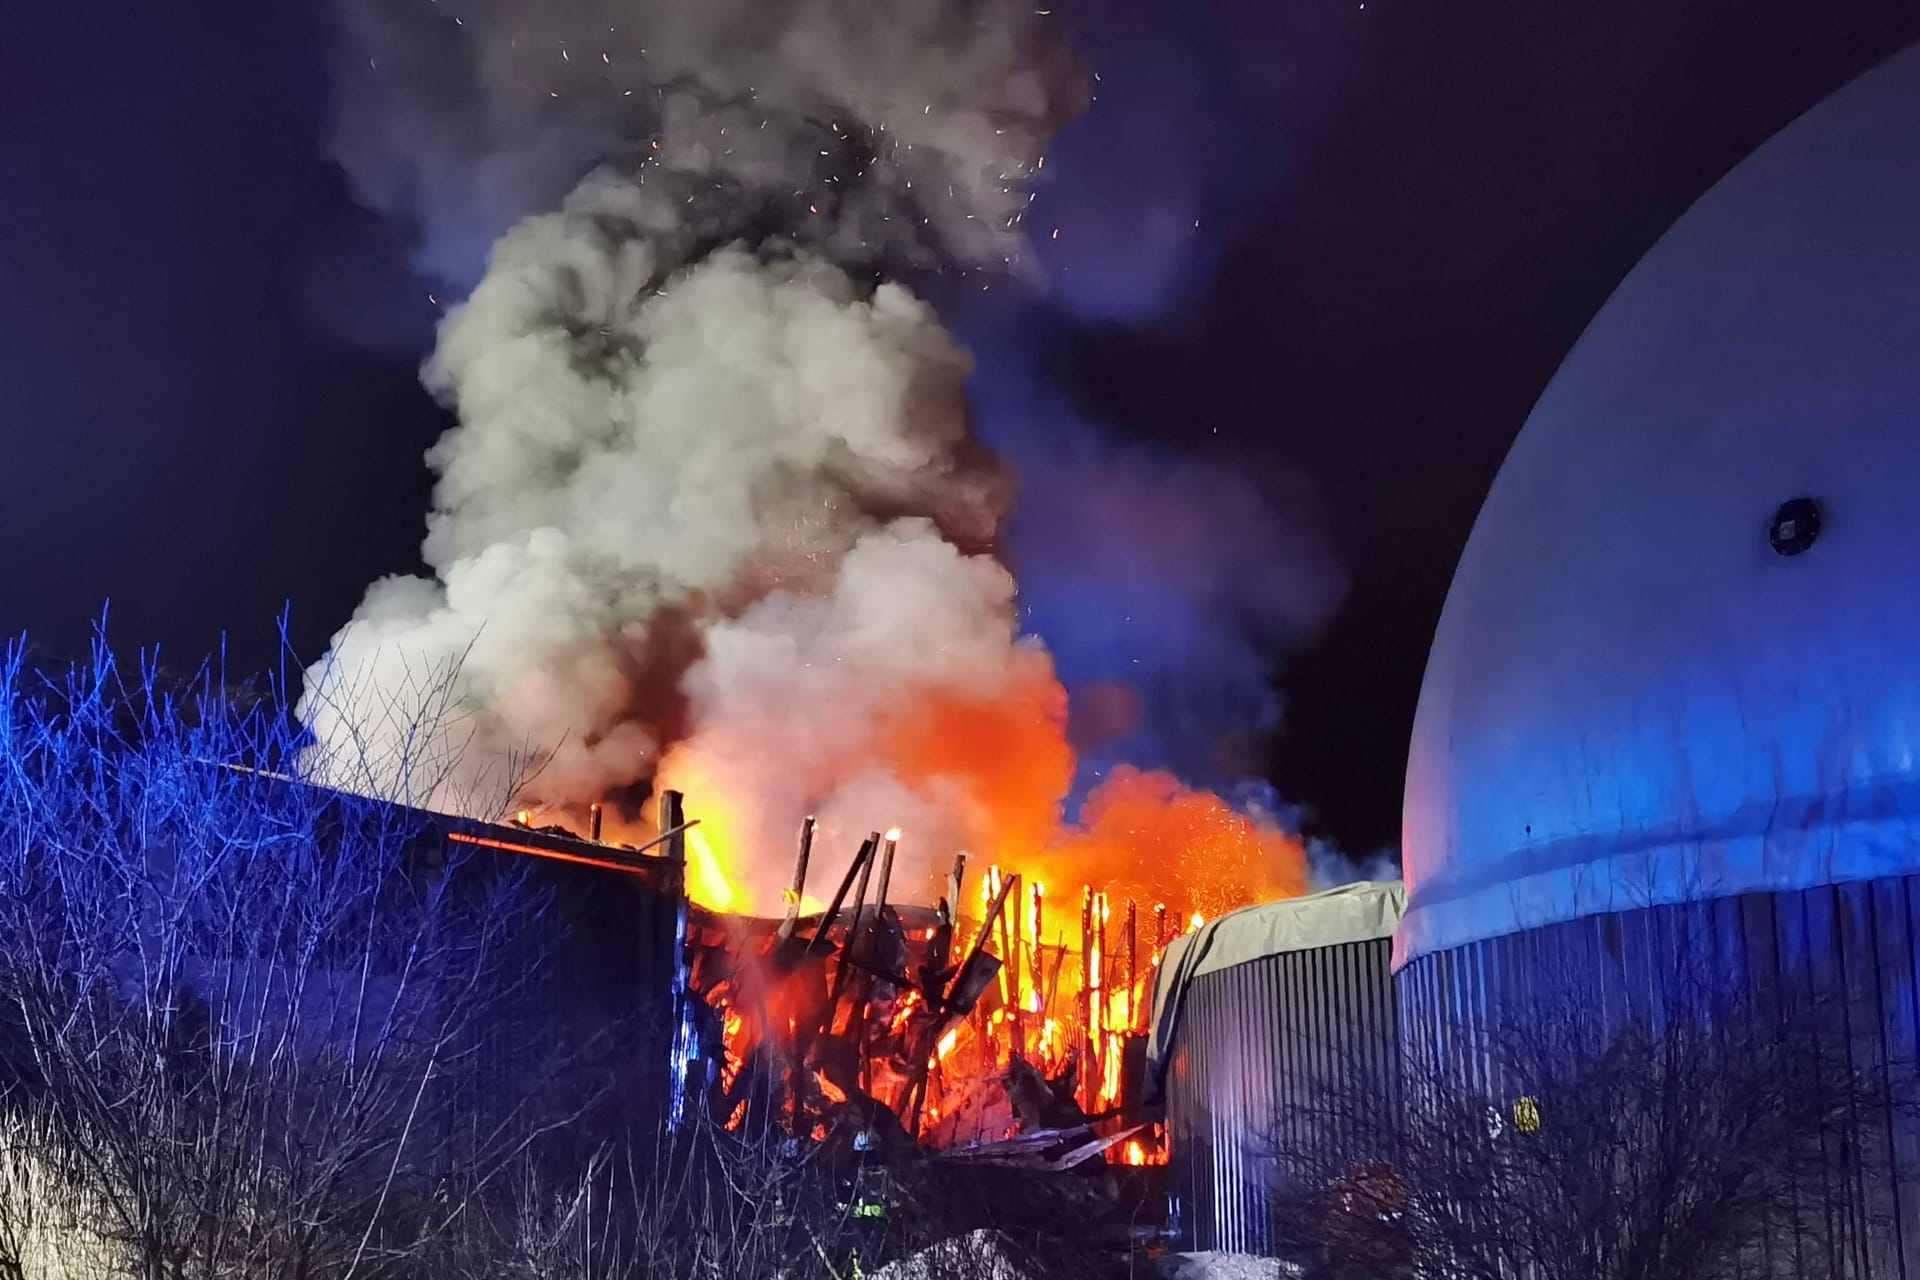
(1711, 1135)
(700, 1204)
(708, 1203)
(250, 1026)
(51, 1226)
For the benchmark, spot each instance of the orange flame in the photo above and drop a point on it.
(993, 768)
(707, 882)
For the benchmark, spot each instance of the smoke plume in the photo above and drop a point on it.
(872, 134)
(713, 517)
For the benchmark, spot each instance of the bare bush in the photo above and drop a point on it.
(707, 1203)
(253, 1028)
(1711, 1135)
(702, 1203)
(51, 1226)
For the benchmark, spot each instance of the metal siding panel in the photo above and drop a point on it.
(1897, 962)
(1854, 946)
(1255, 1044)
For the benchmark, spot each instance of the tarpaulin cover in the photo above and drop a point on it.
(1354, 913)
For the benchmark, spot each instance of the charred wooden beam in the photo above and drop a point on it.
(844, 969)
(792, 919)
(860, 949)
(673, 825)
(1016, 964)
(1088, 977)
(886, 871)
(854, 869)
(956, 880)
(969, 983)
(1133, 970)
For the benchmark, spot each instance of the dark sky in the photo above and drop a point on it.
(1408, 212)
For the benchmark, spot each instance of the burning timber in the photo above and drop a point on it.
(996, 1036)
(989, 1027)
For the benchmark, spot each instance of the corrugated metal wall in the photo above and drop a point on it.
(606, 979)
(1257, 1045)
(1851, 951)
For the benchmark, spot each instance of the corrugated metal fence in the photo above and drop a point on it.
(1257, 1047)
(1260, 1046)
(1848, 952)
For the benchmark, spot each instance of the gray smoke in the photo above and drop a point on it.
(876, 133)
(710, 482)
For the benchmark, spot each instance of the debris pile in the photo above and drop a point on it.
(885, 1026)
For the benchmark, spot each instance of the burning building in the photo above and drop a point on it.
(1004, 1028)
(713, 521)
(1257, 1016)
(1669, 721)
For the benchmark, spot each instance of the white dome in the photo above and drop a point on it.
(1632, 697)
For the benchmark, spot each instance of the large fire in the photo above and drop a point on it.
(1054, 1038)
(998, 768)
(1143, 837)
(989, 972)
(1015, 1008)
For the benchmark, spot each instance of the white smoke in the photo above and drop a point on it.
(711, 486)
(628, 447)
(793, 694)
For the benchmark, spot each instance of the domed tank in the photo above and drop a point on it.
(1675, 690)
(1644, 686)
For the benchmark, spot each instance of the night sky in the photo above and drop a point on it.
(1406, 214)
